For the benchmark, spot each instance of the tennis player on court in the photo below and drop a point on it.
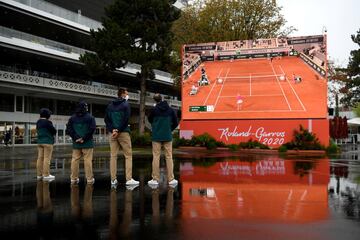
(239, 101)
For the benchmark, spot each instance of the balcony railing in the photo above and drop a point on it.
(62, 12)
(53, 45)
(37, 81)
(70, 15)
(46, 45)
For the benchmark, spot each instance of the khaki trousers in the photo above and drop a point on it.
(123, 140)
(43, 160)
(156, 150)
(87, 153)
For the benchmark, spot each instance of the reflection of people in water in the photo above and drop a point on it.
(82, 215)
(169, 208)
(45, 212)
(155, 206)
(124, 228)
(86, 212)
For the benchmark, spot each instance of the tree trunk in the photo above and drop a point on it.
(336, 105)
(142, 105)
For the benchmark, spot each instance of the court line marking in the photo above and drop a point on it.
(247, 73)
(282, 90)
(250, 84)
(248, 111)
(255, 76)
(269, 95)
(214, 83)
(302, 105)
(217, 99)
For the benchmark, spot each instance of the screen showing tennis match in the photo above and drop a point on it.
(252, 79)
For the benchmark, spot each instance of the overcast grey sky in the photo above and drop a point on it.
(340, 17)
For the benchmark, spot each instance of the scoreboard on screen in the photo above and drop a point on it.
(208, 108)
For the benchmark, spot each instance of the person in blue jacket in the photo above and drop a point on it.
(81, 127)
(117, 124)
(45, 141)
(163, 121)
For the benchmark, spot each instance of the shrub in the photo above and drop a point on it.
(140, 140)
(177, 142)
(220, 144)
(332, 148)
(304, 140)
(211, 145)
(233, 147)
(204, 140)
(283, 148)
(252, 144)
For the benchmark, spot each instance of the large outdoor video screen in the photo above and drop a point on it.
(255, 79)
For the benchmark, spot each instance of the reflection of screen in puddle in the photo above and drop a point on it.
(203, 192)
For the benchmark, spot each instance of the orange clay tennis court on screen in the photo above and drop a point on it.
(267, 90)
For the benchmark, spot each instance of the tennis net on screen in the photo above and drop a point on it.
(251, 78)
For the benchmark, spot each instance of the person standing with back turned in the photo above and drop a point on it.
(81, 127)
(163, 121)
(45, 140)
(117, 120)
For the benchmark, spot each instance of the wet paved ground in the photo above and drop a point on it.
(219, 196)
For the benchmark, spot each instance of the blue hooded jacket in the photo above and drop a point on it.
(163, 121)
(44, 128)
(81, 125)
(117, 115)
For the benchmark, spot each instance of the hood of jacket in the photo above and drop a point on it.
(81, 108)
(162, 106)
(118, 101)
(45, 113)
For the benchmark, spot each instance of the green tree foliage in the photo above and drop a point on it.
(352, 97)
(225, 20)
(356, 109)
(136, 31)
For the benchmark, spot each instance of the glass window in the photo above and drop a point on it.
(33, 104)
(6, 102)
(19, 103)
(98, 110)
(65, 107)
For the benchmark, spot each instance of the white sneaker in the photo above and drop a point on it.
(153, 182)
(132, 187)
(75, 181)
(39, 177)
(49, 178)
(132, 182)
(173, 182)
(153, 186)
(114, 182)
(91, 181)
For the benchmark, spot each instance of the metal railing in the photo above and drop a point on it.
(62, 12)
(53, 45)
(25, 79)
(11, 33)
